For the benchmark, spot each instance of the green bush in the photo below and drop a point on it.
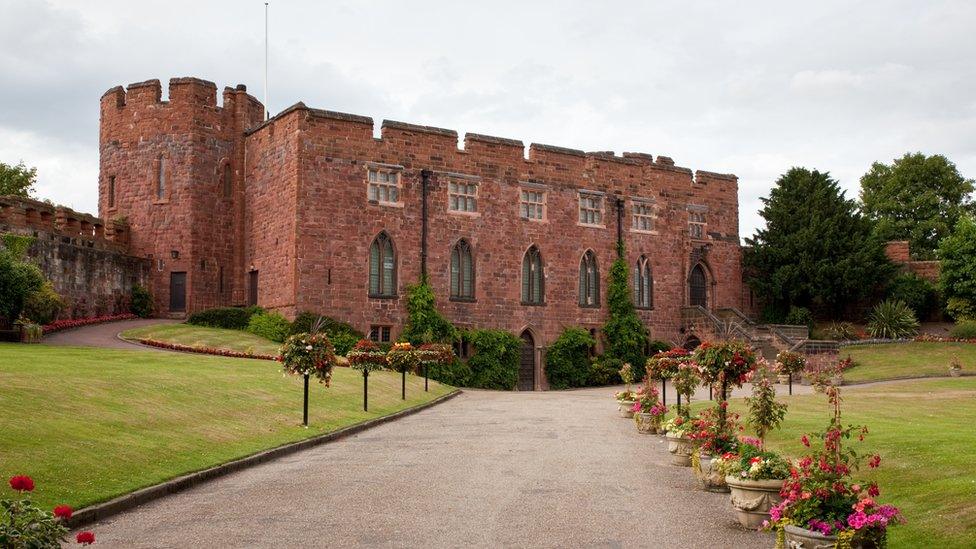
(43, 305)
(342, 342)
(964, 329)
(271, 326)
(142, 302)
(605, 370)
(800, 316)
(957, 279)
(342, 335)
(656, 346)
(568, 359)
(232, 318)
(18, 280)
(625, 334)
(457, 374)
(892, 320)
(919, 294)
(840, 331)
(495, 362)
(425, 324)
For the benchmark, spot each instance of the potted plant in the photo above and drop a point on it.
(679, 445)
(754, 477)
(366, 357)
(308, 354)
(714, 435)
(646, 399)
(627, 397)
(685, 380)
(789, 364)
(823, 506)
(403, 358)
(664, 365)
(955, 367)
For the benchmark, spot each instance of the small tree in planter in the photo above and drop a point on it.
(403, 358)
(822, 504)
(765, 413)
(23, 525)
(434, 354)
(729, 364)
(647, 400)
(663, 366)
(366, 357)
(685, 379)
(788, 364)
(307, 355)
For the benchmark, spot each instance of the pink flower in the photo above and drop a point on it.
(874, 461)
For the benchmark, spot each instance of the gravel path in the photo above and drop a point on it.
(103, 335)
(485, 469)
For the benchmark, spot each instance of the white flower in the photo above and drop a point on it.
(308, 347)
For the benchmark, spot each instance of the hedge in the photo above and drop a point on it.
(495, 362)
(568, 359)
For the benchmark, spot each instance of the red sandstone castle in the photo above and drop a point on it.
(308, 211)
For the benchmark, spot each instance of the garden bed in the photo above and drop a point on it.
(69, 323)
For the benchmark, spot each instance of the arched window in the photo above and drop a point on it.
(643, 284)
(382, 267)
(698, 287)
(589, 281)
(532, 278)
(227, 181)
(161, 178)
(462, 271)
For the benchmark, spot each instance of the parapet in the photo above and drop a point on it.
(28, 216)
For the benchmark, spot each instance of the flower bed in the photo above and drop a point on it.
(66, 324)
(203, 350)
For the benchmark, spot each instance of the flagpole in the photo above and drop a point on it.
(267, 111)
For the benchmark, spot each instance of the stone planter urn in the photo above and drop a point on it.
(710, 479)
(782, 379)
(752, 499)
(955, 372)
(680, 448)
(626, 408)
(646, 423)
(801, 538)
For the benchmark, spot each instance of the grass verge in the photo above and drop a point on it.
(899, 360)
(205, 337)
(92, 424)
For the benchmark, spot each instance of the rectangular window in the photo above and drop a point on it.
(532, 205)
(696, 225)
(111, 191)
(379, 334)
(161, 179)
(590, 209)
(384, 186)
(462, 197)
(643, 216)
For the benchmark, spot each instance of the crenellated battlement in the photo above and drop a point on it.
(183, 93)
(27, 216)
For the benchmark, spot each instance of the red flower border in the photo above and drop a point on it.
(68, 323)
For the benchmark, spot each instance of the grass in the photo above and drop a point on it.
(92, 424)
(923, 431)
(898, 360)
(202, 336)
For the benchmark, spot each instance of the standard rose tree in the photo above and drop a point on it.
(403, 358)
(307, 355)
(366, 357)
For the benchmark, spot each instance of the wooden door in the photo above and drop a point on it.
(252, 288)
(526, 379)
(698, 287)
(177, 292)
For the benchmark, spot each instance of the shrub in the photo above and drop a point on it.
(605, 370)
(568, 359)
(964, 329)
(343, 342)
(800, 316)
(44, 305)
(271, 326)
(656, 346)
(232, 318)
(841, 331)
(342, 335)
(18, 280)
(425, 324)
(142, 302)
(626, 336)
(495, 362)
(457, 373)
(892, 320)
(919, 294)
(957, 279)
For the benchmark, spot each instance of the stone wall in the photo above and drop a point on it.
(86, 263)
(899, 253)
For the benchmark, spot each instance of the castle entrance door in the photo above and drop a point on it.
(526, 379)
(177, 292)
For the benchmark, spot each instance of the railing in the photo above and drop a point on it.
(738, 314)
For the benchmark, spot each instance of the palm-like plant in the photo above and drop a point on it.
(892, 319)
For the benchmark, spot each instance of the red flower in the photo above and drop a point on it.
(85, 538)
(63, 512)
(874, 461)
(873, 490)
(805, 441)
(22, 483)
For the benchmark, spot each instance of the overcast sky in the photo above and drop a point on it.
(751, 88)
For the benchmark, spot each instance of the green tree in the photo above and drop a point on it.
(816, 250)
(626, 336)
(958, 277)
(917, 198)
(17, 180)
(18, 280)
(425, 324)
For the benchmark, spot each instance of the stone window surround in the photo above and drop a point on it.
(161, 169)
(582, 194)
(647, 202)
(463, 179)
(395, 169)
(697, 217)
(532, 187)
(383, 333)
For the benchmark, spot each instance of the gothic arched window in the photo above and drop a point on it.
(643, 284)
(589, 281)
(462, 271)
(382, 267)
(532, 277)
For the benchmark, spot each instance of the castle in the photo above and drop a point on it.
(308, 211)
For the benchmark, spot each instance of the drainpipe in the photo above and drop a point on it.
(424, 188)
(620, 228)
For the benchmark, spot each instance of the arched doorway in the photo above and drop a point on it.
(698, 287)
(526, 378)
(691, 343)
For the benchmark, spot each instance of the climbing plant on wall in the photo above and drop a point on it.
(626, 336)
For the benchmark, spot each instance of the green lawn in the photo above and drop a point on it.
(91, 424)
(202, 336)
(924, 432)
(897, 360)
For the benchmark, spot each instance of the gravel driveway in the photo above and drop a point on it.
(485, 469)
